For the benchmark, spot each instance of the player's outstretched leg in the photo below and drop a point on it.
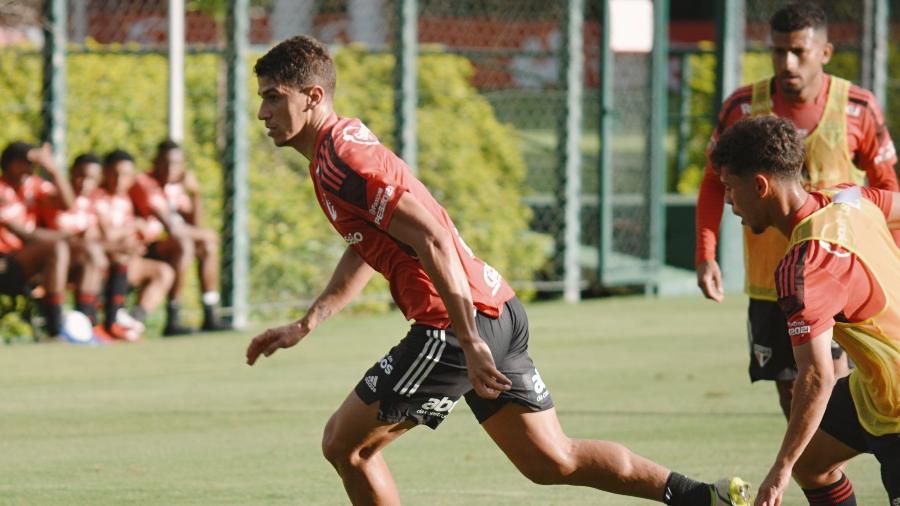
(538, 447)
(353, 441)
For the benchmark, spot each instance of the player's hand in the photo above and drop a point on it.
(773, 487)
(709, 279)
(43, 156)
(487, 381)
(279, 337)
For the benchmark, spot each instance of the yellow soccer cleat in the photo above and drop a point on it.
(731, 492)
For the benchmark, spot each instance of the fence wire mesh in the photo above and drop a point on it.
(116, 72)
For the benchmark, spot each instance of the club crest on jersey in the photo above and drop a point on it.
(359, 134)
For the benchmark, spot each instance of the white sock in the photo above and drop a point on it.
(210, 298)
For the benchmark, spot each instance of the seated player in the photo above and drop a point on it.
(78, 224)
(25, 250)
(168, 198)
(119, 236)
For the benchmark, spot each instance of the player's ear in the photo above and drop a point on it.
(827, 51)
(762, 184)
(316, 96)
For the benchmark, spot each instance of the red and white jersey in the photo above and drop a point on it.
(114, 210)
(148, 196)
(358, 183)
(77, 219)
(178, 199)
(18, 206)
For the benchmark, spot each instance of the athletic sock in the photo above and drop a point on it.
(683, 491)
(53, 313)
(86, 303)
(116, 291)
(839, 493)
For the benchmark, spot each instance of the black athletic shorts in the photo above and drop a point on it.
(12, 279)
(771, 352)
(842, 422)
(423, 377)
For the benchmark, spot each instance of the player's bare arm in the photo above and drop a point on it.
(413, 225)
(43, 157)
(815, 380)
(349, 278)
(192, 188)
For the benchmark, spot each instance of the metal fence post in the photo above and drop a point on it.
(659, 112)
(729, 49)
(235, 238)
(604, 167)
(874, 48)
(569, 190)
(405, 81)
(176, 70)
(54, 80)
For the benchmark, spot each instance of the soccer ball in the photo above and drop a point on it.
(77, 328)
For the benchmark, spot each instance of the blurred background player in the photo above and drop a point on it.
(840, 277)
(844, 131)
(25, 249)
(120, 238)
(78, 223)
(168, 198)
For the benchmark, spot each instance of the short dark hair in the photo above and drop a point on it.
(16, 151)
(85, 158)
(115, 156)
(300, 61)
(767, 144)
(165, 146)
(798, 16)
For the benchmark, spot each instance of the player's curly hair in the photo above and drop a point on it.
(766, 144)
(300, 61)
(798, 16)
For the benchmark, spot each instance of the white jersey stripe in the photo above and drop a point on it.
(436, 359)
(425, 351)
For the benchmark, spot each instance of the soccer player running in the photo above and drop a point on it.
(470, 336)
(839, 279)
(843, 129)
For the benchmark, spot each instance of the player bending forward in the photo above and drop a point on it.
(470, 336)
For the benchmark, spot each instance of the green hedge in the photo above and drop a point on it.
(470, 161)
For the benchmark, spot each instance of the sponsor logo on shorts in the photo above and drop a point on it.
(762, 354)
(539, 387)
(387, 365)
(895, 501)
(437, 407)
(372, 381)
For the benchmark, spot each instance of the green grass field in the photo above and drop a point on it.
(186, 422)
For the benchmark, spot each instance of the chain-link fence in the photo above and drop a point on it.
(507, 57)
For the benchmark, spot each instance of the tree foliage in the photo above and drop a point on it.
(469, 160)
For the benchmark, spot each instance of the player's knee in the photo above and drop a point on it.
(549, 468)
(335, 448)
(811, 473)
(165, 274)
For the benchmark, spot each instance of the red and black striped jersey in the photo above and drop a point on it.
(358, 183)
